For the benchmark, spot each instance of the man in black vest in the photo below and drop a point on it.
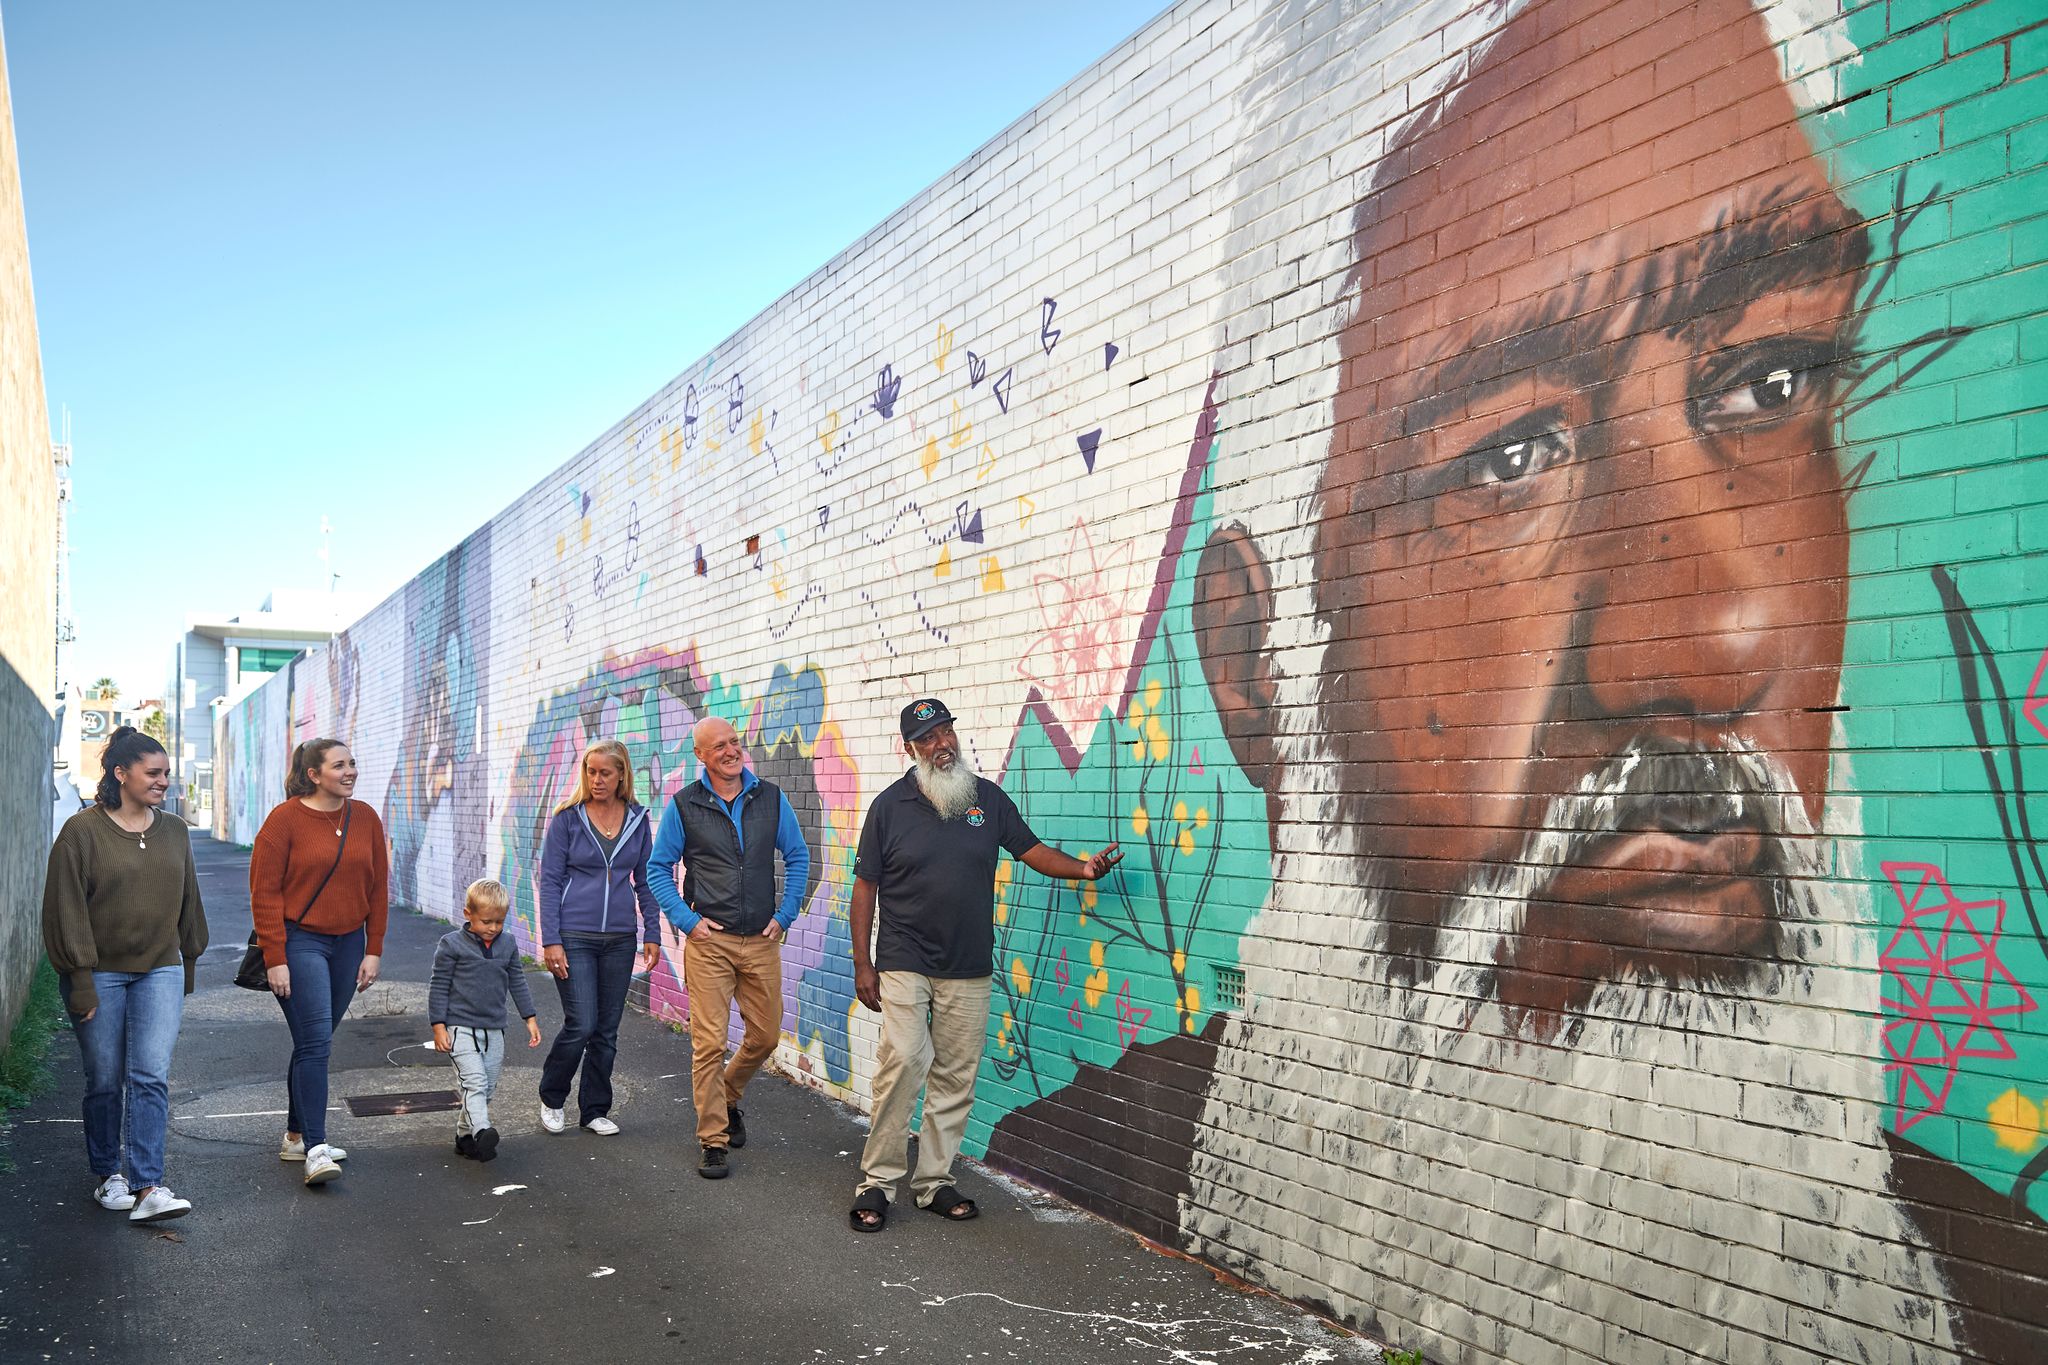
(928, 852)
(725, 829)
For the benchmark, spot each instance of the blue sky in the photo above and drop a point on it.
(390, 264)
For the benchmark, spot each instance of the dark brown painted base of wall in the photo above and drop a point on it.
(1118, 1143)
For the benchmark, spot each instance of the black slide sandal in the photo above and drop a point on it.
(948, 1203)
(869, 1201)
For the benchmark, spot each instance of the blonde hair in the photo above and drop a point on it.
(607, 748)
(486, 894)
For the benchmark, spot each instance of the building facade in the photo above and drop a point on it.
(1526, 518)
(28, 588)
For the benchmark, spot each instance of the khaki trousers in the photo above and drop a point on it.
(933, 1030)
(725, 968)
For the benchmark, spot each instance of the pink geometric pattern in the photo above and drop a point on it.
(1944, 987)
(2035, 707)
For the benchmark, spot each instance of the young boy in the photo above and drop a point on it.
(466, 1005)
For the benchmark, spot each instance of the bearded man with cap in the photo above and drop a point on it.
(927, 856)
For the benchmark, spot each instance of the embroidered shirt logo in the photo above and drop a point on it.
(976, 817)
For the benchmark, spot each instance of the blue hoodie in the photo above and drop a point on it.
(583, 892)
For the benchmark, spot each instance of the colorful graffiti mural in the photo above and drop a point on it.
(1536, 548)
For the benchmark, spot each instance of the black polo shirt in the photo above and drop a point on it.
(936, 880)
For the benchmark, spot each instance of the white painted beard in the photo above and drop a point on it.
(951, 790)
(1683, 1167)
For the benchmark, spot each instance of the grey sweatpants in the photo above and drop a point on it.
(478, 1055)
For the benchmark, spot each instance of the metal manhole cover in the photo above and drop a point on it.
(408, 1102)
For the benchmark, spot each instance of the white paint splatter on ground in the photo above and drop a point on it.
(503, 1190)
(1197, 1340)
(602, 1271)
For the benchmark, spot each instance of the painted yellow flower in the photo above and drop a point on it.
(1095, 953)
(1180, 962)
(1095, 986)
(1154, 690)
(1020, 976)
(1141, 820)
(1186, 841)
(2015, 1121)
(1161, 741)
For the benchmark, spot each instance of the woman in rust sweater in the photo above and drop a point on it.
(319, 889)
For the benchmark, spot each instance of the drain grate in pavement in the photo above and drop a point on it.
(409, 1102)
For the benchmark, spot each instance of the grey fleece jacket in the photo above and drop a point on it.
(471, 980)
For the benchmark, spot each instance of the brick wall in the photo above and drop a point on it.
(28, 588)
(1525, 520)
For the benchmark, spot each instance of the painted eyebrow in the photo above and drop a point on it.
(1787, 244)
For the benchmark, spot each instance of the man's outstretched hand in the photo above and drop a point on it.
(1093, 869)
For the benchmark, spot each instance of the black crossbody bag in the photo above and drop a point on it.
(252, 975)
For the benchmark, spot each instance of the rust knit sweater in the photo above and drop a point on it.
(292, 853)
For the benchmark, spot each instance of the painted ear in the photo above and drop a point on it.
(1233, 613)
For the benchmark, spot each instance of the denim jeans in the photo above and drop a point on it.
(323, 970)
(593, 1000)
(126, 1048)
(478, 1056)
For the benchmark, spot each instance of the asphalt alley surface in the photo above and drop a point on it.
(570, 1247)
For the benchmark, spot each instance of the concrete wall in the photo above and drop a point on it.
(28, 597)
(1525, 519)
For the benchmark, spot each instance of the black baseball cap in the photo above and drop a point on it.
(923, 716)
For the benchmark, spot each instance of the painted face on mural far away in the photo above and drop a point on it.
(1581, 547)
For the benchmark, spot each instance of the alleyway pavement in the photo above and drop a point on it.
(569, 1248)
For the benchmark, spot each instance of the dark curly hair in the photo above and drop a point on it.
(127, 747)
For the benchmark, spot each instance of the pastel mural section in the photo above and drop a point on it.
(1529, 523)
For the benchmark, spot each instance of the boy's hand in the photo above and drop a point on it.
(532, 1032)
(441, 1042)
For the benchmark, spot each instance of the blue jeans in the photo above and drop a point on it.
(126, 1047)
(593, 1000)
(323, 970)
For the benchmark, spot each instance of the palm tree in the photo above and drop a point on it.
(107, 689)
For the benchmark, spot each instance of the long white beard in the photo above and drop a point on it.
(951, 790)
(1690, 1168)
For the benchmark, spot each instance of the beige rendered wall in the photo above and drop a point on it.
(28, 589)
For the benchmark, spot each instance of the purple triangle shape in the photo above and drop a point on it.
(973, 532)
(1088, 441)
(1108, 354)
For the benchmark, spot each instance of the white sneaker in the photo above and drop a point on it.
(158, 1205)
(602, 1126)
(551, 1119)
(320, 1165)
(294, 1149)
(113, 1193)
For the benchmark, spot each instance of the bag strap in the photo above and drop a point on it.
(348, 813)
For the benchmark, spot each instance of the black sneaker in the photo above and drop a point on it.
(713, 1166)
(465, 1146)
(486, 1144)
(735, 1127)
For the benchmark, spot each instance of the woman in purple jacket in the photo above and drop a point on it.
(593, 878)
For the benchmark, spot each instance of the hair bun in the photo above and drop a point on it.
(119, 731)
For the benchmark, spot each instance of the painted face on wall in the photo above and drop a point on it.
(1581, 547)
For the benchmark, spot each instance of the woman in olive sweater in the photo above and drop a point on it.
(319, 892)
(124, 928)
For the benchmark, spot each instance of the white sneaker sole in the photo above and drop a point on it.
(320, 1175)
(118, 1206)
(164, 1217)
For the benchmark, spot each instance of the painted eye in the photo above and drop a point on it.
(1760, 395)
(1510, 460)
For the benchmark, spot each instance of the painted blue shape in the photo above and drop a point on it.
(977, 370)
(586, 504)
(1108, 354)
(1088, 441)
(1048, 335)
(823, 996)
(1002, 388)
(887, 387)
(971, 533)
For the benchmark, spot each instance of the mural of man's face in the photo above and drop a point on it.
(1581, 547)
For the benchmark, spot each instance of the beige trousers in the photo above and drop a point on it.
(933, 1030)
(748, 968)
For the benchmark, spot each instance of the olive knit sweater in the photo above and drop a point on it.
(120, 902)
